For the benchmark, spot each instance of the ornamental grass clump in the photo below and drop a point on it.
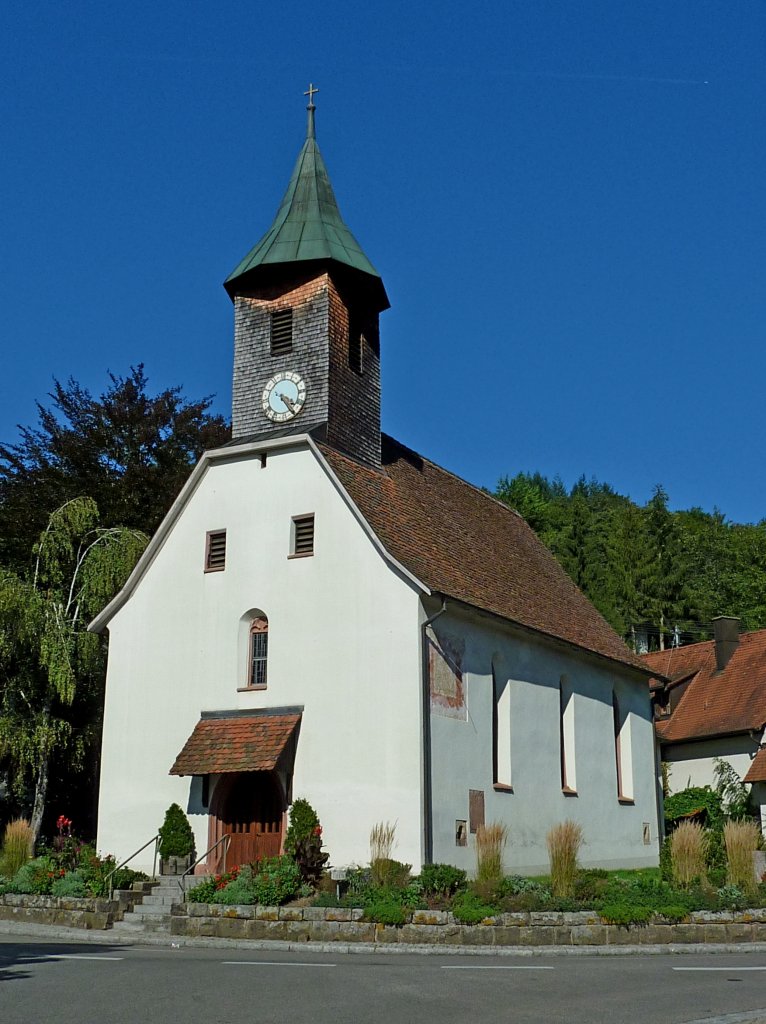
(741, 839)
(688, 852)
(564, 842)
(382, 842)
(18, 843)
(490, 843)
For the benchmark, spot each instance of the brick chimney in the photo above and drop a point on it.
(726, 634)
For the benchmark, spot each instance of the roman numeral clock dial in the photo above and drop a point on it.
(284, 396)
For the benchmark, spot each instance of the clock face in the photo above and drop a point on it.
(284, 396)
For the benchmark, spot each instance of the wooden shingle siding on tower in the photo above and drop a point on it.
(254, 363)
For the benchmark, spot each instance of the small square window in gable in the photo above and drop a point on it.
(302, 536)
(445, 663)
(215, 551)
(281, 332)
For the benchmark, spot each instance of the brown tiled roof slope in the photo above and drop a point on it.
(245, 743)
(757, 770)
(715, 703)
(463, 543)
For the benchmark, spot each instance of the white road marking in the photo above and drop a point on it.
(731, 970)
(498, 967)
(74, 956)
(270, 963)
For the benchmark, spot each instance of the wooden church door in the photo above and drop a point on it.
(249, 807)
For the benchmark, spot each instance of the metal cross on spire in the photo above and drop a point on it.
(310, 93)
(310, 133)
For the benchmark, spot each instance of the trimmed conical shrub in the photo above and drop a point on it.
(176, 836)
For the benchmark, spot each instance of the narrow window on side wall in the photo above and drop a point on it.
(623, 753)
(501, 730)
(258, 657)
(567, 737)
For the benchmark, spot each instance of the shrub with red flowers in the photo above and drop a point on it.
(269, 882)
(71, 867)
(206, 890)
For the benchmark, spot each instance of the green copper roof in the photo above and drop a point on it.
(308, 224)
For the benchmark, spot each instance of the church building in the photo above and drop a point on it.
(324, 613)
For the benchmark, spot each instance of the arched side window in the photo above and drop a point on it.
(258, 650)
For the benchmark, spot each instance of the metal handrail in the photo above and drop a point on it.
(226, 837)
(155, 840)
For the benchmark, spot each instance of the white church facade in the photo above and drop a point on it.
(326, 614)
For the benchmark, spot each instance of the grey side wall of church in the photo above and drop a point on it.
(615, 833)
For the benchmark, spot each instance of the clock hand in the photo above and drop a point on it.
(288, 401)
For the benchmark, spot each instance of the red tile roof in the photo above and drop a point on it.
(465, 544)
(757, 770)
(714, 703)
(235, 743)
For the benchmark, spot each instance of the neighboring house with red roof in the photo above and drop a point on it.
(712, 704)
(327, 614)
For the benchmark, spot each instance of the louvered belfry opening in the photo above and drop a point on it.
(303, 538)
(215, 551)
(281, 332)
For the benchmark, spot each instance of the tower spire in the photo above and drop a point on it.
(310, 130)
(308, 226)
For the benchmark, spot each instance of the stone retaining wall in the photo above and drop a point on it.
(318, 924)
(68, 911)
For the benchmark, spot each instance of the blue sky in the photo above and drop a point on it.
(565, 200)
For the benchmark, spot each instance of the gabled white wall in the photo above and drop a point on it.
(692, 764)
(462, 750)
(343, 643)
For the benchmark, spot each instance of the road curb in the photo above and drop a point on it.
(109, 938)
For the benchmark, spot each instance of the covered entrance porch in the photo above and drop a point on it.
(245, 759)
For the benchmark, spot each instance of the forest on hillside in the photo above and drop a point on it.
(653, 573)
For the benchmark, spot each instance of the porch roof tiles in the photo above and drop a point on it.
(241, 743)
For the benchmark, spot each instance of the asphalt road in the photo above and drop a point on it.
(45, 981)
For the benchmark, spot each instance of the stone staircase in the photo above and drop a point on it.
(152, 913)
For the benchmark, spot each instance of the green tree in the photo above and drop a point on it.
(529, 495)
(667, 589)
(127, 449)
(51, 667)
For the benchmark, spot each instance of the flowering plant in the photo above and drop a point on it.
(64, 825)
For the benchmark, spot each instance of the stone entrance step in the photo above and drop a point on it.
(153, 913)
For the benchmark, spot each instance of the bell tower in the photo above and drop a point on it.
(306, 307)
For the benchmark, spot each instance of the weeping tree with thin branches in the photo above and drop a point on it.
(51, 667)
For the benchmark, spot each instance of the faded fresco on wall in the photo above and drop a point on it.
(445, 667)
